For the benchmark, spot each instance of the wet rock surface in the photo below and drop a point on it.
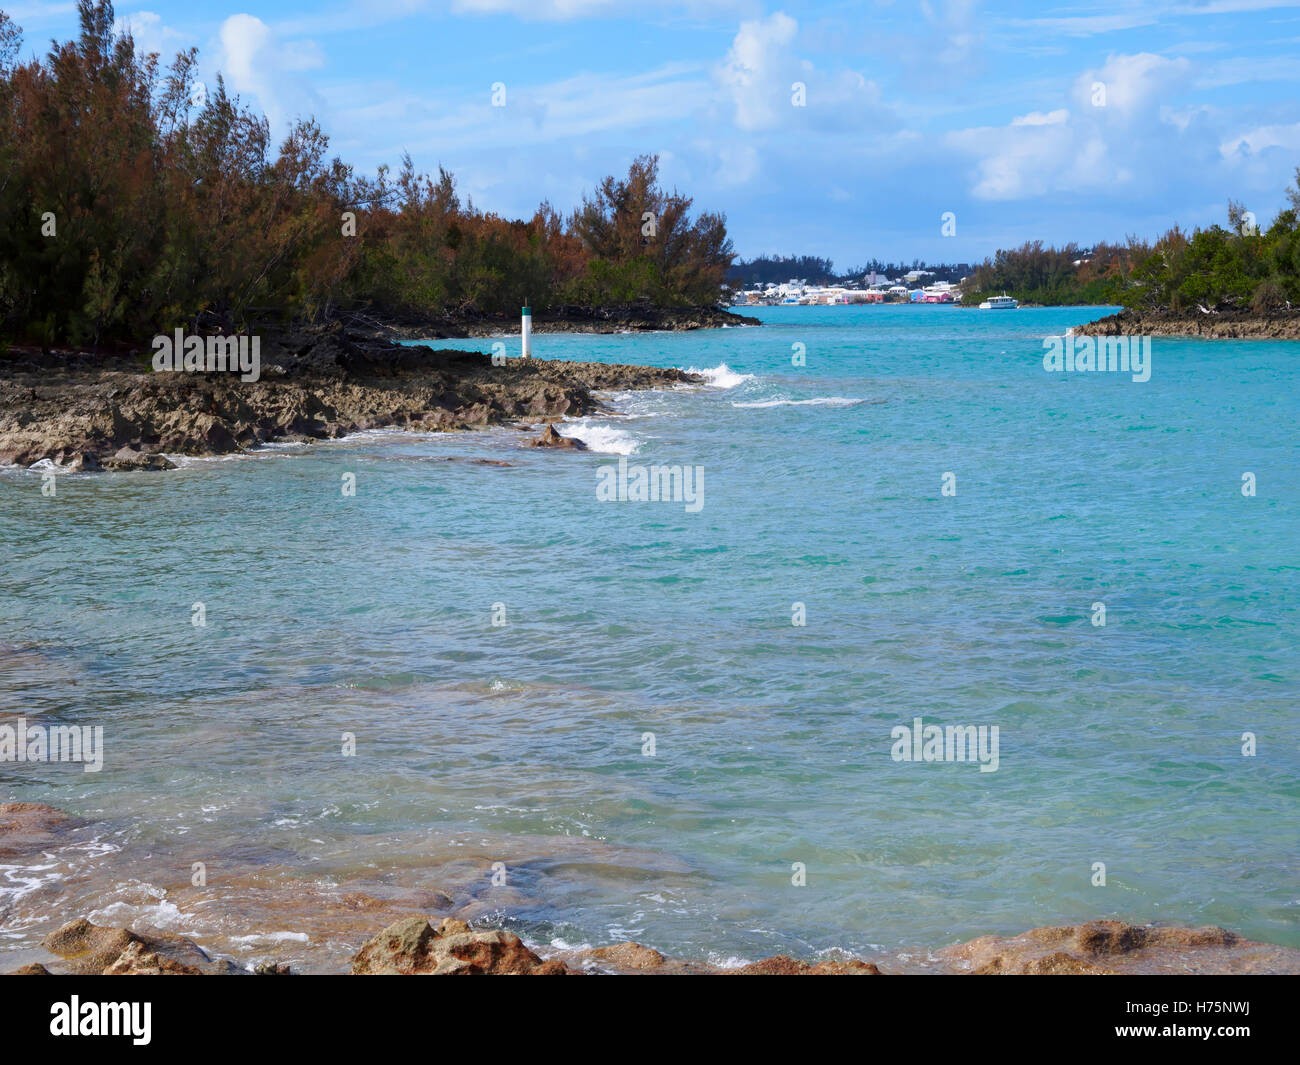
(415, 947)
(86, 412)
(1113, 947)
(27, 827)
(430, 946)
(550, 438)
(93, 949)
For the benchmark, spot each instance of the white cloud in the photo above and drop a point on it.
(760, 69)
(1090, 147)
(1260, 139)
(257, 64)
(558, 10)
(761, 74)
(1132, 83)
(1039, 118)
(150, 35)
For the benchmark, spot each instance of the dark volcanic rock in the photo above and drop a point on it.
(88, 412)
(550, 438)
(1222, 323)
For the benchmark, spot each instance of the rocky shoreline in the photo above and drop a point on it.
(1221, 324)
(623, 318)
(431, 946)
(406, 936)
(85, 411)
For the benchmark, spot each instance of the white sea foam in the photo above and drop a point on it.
(820, 401)
(17, 881)
(643, 404)
(721, 376)
(271, 937)
(162, 914)
(605, 439)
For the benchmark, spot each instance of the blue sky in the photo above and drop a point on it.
(912, 107)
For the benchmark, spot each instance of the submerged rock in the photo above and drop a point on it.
(1109, 947)
(630, 956)
(30, 827)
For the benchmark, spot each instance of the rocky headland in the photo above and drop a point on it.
(1222, 324)
(88, 411)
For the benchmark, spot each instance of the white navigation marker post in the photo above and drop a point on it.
(526, 329)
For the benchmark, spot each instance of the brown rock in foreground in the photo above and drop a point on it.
(414, 947)
(1113, 947)
(784, 965)
(628, 956)
(92, 949)
(138, 960)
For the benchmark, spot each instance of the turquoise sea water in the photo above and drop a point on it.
(523, 743)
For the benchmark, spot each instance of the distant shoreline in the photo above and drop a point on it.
(1214, 325)
(620, 318)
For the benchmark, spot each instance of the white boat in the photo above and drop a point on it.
(999, 303)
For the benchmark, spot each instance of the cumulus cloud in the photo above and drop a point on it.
(759, 70)
(151, 35)
(762, 76)
(257, 64)
(1260, 139)
(1132, 83)
(1039, 118)
(1090, 146)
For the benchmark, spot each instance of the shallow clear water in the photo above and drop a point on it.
(522, 743)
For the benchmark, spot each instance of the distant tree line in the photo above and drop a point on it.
(774, 269)
(132, 202)
(1242, 265)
